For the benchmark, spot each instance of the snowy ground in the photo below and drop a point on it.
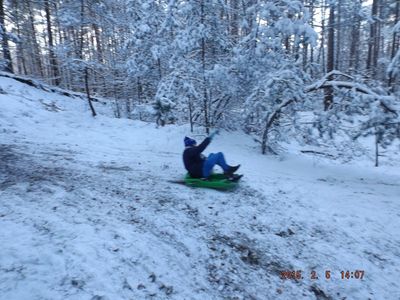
(86, 212)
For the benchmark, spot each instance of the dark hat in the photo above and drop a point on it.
(189, 142)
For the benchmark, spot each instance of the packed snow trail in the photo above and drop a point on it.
(87, 212)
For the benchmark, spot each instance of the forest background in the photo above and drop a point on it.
(318, 73)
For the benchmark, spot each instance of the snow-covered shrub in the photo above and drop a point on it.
(271, 107)
(358, 111)
(163, 108)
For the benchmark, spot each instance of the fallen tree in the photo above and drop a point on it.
(326, 81)
(39, 85)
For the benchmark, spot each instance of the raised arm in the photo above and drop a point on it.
(200, 148)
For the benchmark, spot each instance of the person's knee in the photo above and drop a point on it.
(221, 156)
(212, 156)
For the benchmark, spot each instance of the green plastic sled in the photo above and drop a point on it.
(215, 181)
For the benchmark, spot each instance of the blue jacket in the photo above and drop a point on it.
(193, 159)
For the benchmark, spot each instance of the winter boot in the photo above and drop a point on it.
(231, 170)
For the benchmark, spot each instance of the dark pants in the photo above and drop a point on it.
(212, 160)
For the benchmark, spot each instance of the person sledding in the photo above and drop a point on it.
(199, 166)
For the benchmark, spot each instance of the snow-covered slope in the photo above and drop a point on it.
(87, 212)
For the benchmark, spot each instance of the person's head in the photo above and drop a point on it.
(189, 142)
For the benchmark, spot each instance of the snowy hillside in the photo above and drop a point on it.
(87, 212)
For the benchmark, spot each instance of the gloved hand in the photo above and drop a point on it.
(212, 134)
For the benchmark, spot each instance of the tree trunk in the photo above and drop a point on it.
(379, 43)
(20, 53)
(312, 25)
(128, 108)
(305, 55)
(117, 109)
(270, 121)
(321, 53)
(99, 46)
(88, 92)
(82, 31)
(287, 44)
(328, 99)
(203, 63)
(338, 35)
(4, 42)
(376, 148)
(395, 43)
(234, 20)
(354, 56)
(37, 63)
(372, 42)
(190, 113)
(264, 141)
(53, 61)
(139, 90)
(79, 45)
